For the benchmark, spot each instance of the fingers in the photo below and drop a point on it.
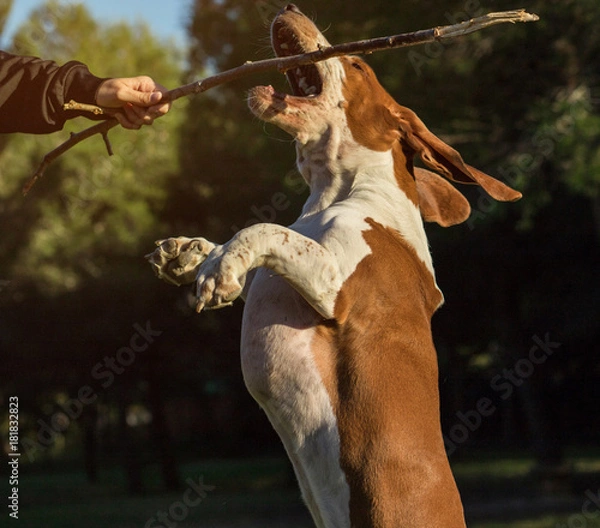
(159, 110)
(134, 117)
(143, 94)
(137, 98)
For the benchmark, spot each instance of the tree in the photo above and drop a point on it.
(72, 250)
(5, 8)
(105, 205)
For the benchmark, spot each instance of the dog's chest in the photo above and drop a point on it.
(279, 325)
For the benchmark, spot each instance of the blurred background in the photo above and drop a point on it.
(132, 408)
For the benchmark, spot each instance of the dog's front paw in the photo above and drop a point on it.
(176, 260)
(220, 279)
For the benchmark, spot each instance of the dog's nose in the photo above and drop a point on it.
(292, 7)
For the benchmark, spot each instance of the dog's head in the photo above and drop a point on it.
(343, 93)
(306, 112)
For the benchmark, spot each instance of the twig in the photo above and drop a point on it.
(283, 64)
(82, 107)
(100, 128)
(424, 36)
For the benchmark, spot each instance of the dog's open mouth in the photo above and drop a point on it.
(305, 81)
(292, 33)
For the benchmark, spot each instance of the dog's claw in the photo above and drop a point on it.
(218, 282)
(224, 304)
(219, 274)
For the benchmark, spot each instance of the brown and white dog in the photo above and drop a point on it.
(336, 338)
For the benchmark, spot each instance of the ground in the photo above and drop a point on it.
(499, 491)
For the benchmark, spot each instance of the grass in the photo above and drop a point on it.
(499, 492)
(543, 522)
(502, 491)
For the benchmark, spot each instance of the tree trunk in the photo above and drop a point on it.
(90, 442)
(160, 431)
(130, 452)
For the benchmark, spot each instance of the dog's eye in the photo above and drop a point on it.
(357, 66)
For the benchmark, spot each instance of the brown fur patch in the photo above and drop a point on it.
(380, 368)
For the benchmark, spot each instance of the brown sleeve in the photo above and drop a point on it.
(33, 91)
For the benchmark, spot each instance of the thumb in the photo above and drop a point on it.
(142, 98)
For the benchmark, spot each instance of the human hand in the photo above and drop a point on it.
(136, 98)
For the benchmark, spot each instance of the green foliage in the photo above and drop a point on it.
(223, 148)
(5, 7)
(90, 208)
(260, 493)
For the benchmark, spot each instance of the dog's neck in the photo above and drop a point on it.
(337, 169)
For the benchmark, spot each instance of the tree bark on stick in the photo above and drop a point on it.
(283, 64)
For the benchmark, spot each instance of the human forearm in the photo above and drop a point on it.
(33, 91)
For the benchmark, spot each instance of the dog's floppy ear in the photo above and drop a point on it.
(443, 159)
(439, 201)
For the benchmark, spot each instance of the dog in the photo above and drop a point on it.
(336, 340)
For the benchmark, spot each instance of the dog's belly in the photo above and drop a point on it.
(281, 373)
(277, 361)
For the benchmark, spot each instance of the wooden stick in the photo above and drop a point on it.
(283, 64)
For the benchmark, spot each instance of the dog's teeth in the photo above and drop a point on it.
(303, 85)
(311, 90)
(298, 71)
